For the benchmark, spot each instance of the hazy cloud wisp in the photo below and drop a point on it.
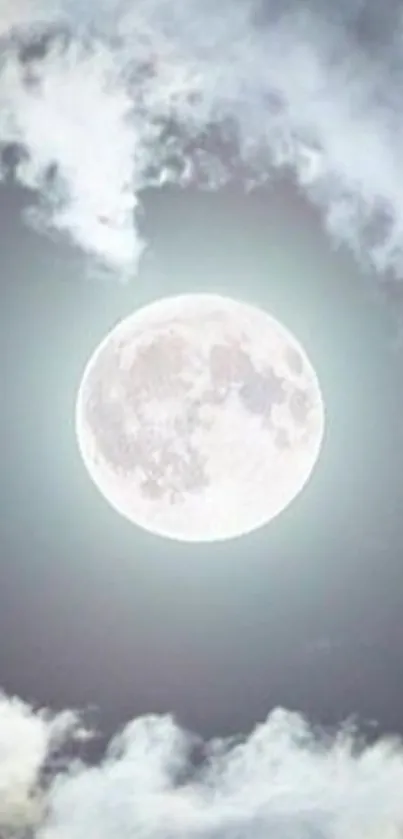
(299, 87)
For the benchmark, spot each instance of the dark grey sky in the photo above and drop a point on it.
(305, 613)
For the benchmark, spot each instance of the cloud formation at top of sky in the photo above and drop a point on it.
(120, 98)
(281, 780)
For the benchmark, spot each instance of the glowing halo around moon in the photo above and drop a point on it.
(199, 417)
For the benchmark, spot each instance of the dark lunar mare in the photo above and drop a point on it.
(158, 371)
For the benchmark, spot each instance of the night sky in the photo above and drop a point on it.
(306, 612)
(153, 689)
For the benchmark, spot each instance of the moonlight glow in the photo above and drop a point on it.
(199, 417)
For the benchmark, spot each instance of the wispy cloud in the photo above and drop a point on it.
(281, 780)
(122, 94)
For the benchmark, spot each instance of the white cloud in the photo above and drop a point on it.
(282, 780)
(26, 741)
(302, 84)
(14, 13)
(74, 113)
(22, 14)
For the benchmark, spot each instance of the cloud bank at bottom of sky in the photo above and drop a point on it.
(282, 780)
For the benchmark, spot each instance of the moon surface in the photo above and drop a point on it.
(199, 417)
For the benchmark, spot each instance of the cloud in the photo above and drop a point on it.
(156, 781)
(14, 13)
(73, 114)
(121, 99)
(27, 740)
(17, 15)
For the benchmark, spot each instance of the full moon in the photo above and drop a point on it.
(199, 417)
